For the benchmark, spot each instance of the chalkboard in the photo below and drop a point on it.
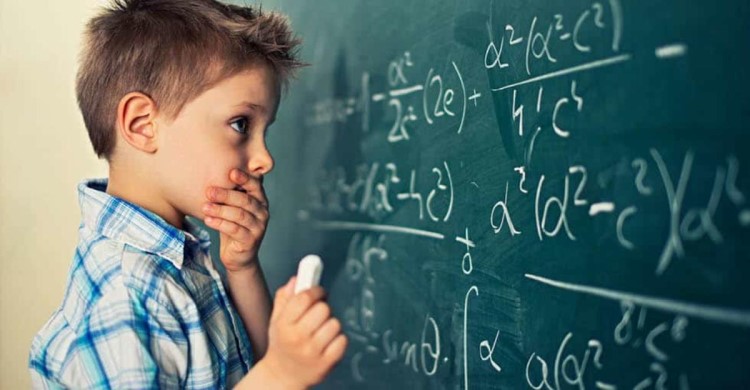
(516, 194)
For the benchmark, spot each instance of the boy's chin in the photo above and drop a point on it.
(196, 214)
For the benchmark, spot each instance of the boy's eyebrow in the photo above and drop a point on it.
(258, 107)
(254, 106)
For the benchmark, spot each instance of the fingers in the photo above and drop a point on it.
(282, 297)
(315, 317)
(252, 213)
(242, 216)
(326, 333)
(335, 350)
(300, 303)
(238, 233)
(239, 199)
(253, 185)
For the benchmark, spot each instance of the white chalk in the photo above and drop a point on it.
(308, 273)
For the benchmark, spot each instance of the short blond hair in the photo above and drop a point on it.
(172, 50)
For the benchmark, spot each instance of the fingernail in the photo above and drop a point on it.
(207, 207)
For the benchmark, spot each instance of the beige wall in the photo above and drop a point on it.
(44, 152)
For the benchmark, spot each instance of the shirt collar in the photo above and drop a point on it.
(132, 224)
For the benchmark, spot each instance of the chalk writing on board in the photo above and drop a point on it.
(378, 189)
(366, 252)
(431, 100)
(654, 201)
(437, 98)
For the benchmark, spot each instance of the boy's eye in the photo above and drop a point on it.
(241, 125)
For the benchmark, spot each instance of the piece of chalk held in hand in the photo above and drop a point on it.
(308, 273)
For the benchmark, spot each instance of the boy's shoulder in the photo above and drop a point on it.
(107, 217)
(124, 246)
(124, 252)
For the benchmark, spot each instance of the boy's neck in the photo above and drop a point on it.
(144, 194)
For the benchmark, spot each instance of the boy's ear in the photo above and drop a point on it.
(136, 114)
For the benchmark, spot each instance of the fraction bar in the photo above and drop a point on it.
(346, 225)
(711, 313)
(579, 68)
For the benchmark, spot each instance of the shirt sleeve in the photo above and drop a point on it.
(128, 340)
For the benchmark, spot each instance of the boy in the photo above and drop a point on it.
(177, 96)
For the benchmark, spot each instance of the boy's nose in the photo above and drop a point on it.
(260, 162)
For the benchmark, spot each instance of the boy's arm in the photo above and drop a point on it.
(251, 298)
(299, 342)
(241, 217)
(126, 340)
(262, 377)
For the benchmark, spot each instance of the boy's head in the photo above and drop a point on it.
(179, 92)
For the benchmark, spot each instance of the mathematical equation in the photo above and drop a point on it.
(570, 365)
(378, 190)
(435, 99)
(552, 206)
(543, 39)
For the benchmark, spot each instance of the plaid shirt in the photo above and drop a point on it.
(144, 307)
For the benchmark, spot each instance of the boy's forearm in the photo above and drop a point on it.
(262, 376)
(252, 300)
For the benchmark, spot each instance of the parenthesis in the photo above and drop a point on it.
(355, 367)
(424, 97)
(463, 89)
(450, 182)
(616, 9)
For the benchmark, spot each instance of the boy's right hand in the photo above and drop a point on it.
(304, 341)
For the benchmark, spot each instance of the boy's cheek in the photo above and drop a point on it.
(199, 181)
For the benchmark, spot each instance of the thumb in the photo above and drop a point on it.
(283, 295)
(288, 289)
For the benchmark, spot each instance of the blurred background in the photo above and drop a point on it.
(44, 153)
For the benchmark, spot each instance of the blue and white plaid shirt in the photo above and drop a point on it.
(144, 307)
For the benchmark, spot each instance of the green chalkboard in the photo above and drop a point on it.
(518, 194)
